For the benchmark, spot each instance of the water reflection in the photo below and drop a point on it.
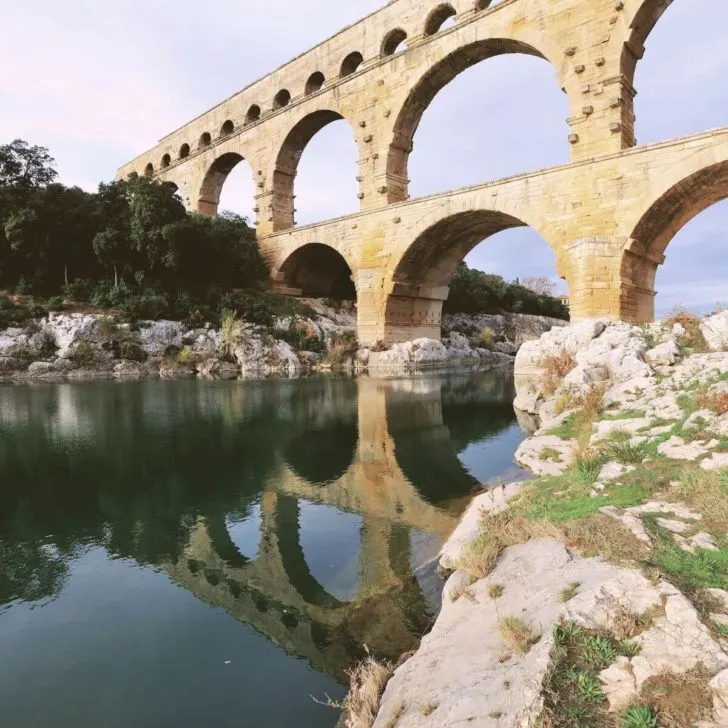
(301, 508)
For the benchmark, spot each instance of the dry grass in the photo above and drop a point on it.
(705, 491)
(717, 402)
(487, 338)
(367, 682)
(428, 708)
(600, 535)
(556, 367)
(627, 625)
(516, 633)
(570, 591)
(495, 591)
(680, 701)
(394, 715)
(499, 532)
(693, 337)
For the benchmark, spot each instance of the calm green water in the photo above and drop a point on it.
(214, 553)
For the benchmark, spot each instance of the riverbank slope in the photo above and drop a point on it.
(74, 346)
(596, 594)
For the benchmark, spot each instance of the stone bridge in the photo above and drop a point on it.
(275, 590)
(608, 215)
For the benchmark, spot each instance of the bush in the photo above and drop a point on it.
(487, 338)
(472, 291)
(84, 355)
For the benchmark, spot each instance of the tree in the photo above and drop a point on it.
(542, 285)
(24, 166)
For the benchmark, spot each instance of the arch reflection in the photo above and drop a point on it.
(219, 484)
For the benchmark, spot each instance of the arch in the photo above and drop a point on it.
(657, 226)
(133, 175)
(351, 64)
(166, 161)
(227, 128)
(253, 114)
(423, 93)
(287, 162)
(205, 140)
(392, 42)
(673, 58)
(318, 271)
(437, 17)
(420, 280)
(212, 184)
(149, 170)
(184, 151)
(315, 83)
(282, 98)
(435, 254)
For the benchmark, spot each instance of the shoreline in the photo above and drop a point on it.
(601, 587)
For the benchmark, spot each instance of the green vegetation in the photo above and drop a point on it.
(472, 291)
(130, 246)
(639, 717)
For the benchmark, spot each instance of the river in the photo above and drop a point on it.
(195, 553)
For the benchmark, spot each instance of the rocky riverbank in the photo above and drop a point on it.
(75, 346)
(596, 594)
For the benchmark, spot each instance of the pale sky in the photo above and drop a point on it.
(99, 82)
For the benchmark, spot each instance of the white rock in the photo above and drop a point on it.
(157, 336)
(677, 449)
(717, 461)
(545, 455)
(663, 355)
(719, 686)
(715, 331)
(613, 470)
(469, 526)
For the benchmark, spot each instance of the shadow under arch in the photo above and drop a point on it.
(321, 456)
(319, 271)
(424, 92)
(214, 180)
(647, 242)
(288, 159)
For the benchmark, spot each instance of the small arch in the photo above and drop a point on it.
(217, 174)
(149, 170)
(184, 151)
(205, 140)
(227, 128)
(319, 271)
(166, 161)
(315, 83)
(282, 98)
(133, 175)
(253, 114)
(171, 185)
(351, 64)
(437, 17)
(394, 42)
(288, 159)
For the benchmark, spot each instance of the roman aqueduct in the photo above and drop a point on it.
(608, 214)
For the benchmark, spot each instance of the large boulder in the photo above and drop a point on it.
(715, 331)
(157, 336)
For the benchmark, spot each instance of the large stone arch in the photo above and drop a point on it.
(217, 170)
(418, 279)
(287, 158)
(424, 91)
(689, 190)
(316, 270)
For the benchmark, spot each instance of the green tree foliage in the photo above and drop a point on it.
(131, 245)
(472, 291)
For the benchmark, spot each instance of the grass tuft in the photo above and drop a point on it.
(570, 591)
(516, 633)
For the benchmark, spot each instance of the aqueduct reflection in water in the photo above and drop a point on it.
(162, 472)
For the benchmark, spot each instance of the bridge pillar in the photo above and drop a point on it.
(610, 276)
